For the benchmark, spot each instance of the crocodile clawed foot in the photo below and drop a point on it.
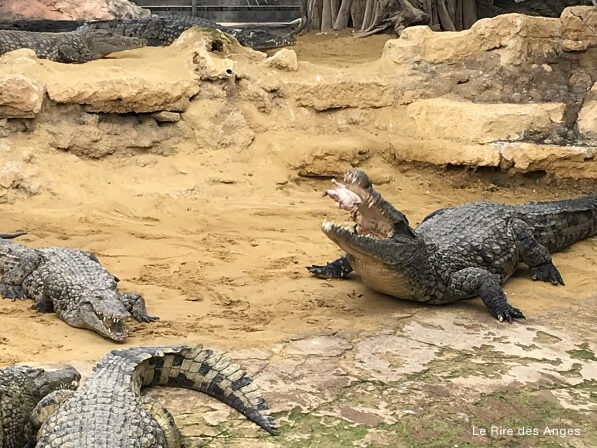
(43, 307)
(144, 317)
(320, 271)
(508, 313)
(547, 273)
(339, 268)
(12, 292)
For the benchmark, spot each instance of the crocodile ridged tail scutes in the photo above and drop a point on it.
(558, 224)
(202, 370)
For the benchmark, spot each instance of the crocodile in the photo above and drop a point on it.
(73, 284)
(163, 30)
(68, 47)
(21, 389)
(455, 253)
(108, 411)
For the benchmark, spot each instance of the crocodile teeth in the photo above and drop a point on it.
(326, 226)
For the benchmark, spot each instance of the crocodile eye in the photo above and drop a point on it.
(229, 71)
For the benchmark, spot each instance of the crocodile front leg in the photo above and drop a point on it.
(11, 283)
(165, 421)
(135, 304)
(476, 281)
(339, 268)
(48, 405)
(534, 254)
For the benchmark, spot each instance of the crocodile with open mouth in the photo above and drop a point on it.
(456, 252)
(73, 284)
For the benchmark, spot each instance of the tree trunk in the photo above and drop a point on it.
(368, 17)
(335, 9)
(343, 15)
(326, 15)
(357, 13)
(469, 13)
(458, 17)
(373, 16)
(444, 16)
(314, 14)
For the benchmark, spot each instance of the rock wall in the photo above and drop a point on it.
(515, 92)
(71, 9)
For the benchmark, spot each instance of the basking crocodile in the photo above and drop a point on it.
(107, 410)
(21, 389)
(455, 253)
(68, 47)
(73, 284)
(163, 30)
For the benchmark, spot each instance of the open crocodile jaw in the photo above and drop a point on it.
(370, 243)
(112, 327)
(366, 208)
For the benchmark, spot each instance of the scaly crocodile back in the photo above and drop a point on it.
(559, 224)
(156, 30)
(66, 47)
(21, 388)
(17, 400)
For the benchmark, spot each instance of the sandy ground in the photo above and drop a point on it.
(217, 242)
(339, 49)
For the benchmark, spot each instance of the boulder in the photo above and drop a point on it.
(284, 59)
(587, 117)
(578, 25)
(466, 121)
(20, 97)
(517, 38)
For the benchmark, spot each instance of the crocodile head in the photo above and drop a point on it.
(104, 314)
(380, 243)
(101, 43)
(45, 381)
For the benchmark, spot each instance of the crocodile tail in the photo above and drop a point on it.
(558, 224)
(202, 370)
(9, 236)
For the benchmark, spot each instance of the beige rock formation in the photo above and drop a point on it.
(564, 161)
(587, 117)
(481, 123)
(20, 96)
(72, 9)
(504, 93)
(578, 26)
(123, 87)
(284, 59)
(516, 38)
(217, 124)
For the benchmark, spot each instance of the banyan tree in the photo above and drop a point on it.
(374, 16)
